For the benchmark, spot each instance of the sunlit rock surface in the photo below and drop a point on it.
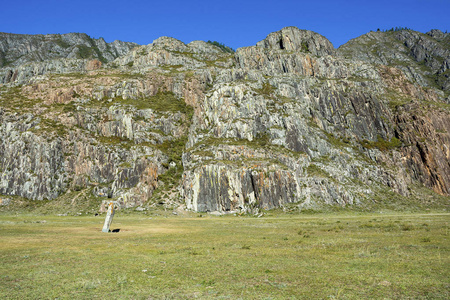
(289, 121)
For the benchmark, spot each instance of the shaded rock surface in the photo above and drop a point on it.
(289, 121)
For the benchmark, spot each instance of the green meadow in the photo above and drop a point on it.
(342, 255)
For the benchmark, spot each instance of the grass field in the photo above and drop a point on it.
(279, 256)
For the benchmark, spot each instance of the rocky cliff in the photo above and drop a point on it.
(423, 58)
(24, 56)
(290, 121)
(18, 49)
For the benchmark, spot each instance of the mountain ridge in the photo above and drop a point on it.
(288, 121)
(415, 53)
(16, 49)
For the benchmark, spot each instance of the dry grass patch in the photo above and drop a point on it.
(280, 256)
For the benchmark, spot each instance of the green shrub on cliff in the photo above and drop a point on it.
(223, 47)
(382, 144)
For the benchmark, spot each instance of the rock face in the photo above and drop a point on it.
(293, 39)
(289, 121)
(18, 49)
(24, 56)
(423, 58)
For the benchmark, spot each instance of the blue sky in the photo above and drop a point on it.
(236, 23)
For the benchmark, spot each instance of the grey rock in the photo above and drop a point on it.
(294, 39)
(24, 56)
(424, 58)
(5, 201)
(17, 49)
(289, 122)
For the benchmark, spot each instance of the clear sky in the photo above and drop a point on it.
(236, 23)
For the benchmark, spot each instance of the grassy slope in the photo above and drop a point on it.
(343, 255)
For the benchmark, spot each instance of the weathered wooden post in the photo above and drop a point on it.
(109, 217)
